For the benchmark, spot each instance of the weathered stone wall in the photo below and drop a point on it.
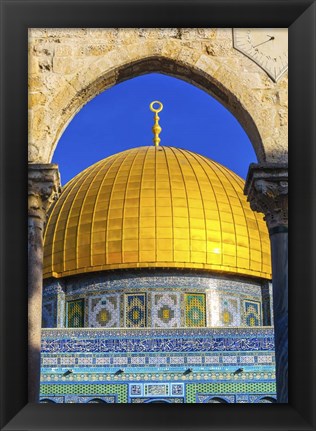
(68, 67)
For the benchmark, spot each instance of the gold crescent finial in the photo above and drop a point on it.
(156, 127)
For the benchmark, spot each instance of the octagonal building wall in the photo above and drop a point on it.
(160, 298)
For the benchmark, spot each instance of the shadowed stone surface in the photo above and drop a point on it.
(43, 189)
(267, 191)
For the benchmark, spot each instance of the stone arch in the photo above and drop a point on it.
(171, 67)
(81, 80)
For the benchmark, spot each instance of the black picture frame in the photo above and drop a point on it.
(16, 18)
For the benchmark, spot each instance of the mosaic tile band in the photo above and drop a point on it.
(106, 302)
(168, 341)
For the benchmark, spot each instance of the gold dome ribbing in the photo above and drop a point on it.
(155, 207)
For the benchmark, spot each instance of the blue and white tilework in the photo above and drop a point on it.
(252, 313)
(164, 361)
(49, 313)
(229, 314)
(206, 398)
(177, 388)
(156, 389)
(136, 390)
(85, 340)
(104, 311)
(105, 304)
(165, 310)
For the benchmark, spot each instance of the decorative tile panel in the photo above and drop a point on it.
(252, 313)
(103, 361)
(196, 360)
(153, 364)
(104, 311)
(157, 360)
(247, 359)
(267, 359)
(75, 313)
(136, 390)
(166, 310)
(229, 359)
(229, 311)
(135, 310)
(165, 297)
(158, 340)
(177, 360)
(195, 314)
(49, 314)
(177, 388)
(212, 359)
(193, 390)
(88, 389)
(156, 389)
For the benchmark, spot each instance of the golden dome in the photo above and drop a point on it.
(155, 207)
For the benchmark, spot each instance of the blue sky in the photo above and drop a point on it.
(120, 118)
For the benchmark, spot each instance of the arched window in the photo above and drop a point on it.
(75, 313)
(215, 400)
(96, 401)
(267, 400)
(155, 401)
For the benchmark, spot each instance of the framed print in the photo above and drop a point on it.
(155, 266)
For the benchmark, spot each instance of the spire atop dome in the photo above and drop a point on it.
(156, 127)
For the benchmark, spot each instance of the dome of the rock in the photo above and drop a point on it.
(151, 207)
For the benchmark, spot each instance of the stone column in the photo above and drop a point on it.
(267, 191)
(43, 189)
